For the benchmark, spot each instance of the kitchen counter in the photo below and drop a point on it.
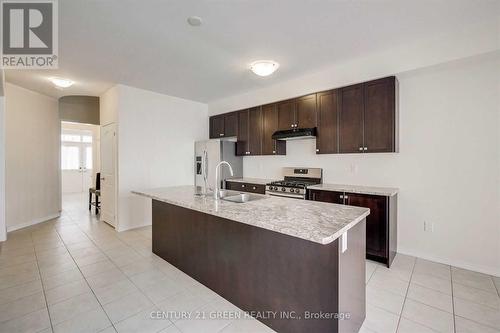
(313, 221)
(384, 191)
(272, 255)
(259, 181)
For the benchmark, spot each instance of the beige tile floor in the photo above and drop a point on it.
(76, 274)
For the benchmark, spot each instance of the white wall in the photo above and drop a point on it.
(32, 173)
(108, 106)
(3, 230)
(448, 168)
(156, 135)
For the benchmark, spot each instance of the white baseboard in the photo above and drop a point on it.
(495, 271)
(120, 229)
(33, 222)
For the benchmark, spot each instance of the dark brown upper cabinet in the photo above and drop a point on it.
(351, 119)
(286, 115)
(217, 126)
(297, 113)
(305, 112)
(367, 122)
(242, 138)
(269, 126)
(360, 118)
(224, 125)
(379, 116)
(231, 124)
(327, 139)
(249, 138)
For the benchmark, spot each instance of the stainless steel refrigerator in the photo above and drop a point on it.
(207, 154)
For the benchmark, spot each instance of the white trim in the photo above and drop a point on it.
(147, 224)
(495, 271)
(33, 222)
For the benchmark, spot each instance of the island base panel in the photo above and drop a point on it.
(265, 271)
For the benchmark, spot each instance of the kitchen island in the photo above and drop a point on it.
(295, 265)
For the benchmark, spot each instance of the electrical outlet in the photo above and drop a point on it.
(428, 226)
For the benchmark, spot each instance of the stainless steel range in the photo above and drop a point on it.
(295, 182)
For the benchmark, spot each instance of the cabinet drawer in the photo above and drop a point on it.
(326, 196)
(246, 187)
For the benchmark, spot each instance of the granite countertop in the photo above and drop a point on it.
(259, 181)
(385, 191)
(310, 220)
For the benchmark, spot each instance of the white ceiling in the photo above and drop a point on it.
(148, 44)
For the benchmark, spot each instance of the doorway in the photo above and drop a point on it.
(79, 157)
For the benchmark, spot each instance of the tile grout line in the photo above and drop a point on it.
(102, 308)
(406, 294)
(127, 277)
(453, 301)
(43, 289)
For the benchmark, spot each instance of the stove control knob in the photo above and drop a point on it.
(297, 191)
(283, 189)
(275, 188)
(291, 190)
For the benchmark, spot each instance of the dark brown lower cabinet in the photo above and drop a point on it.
(246, 187)
(327, 196)
(290, 284)
(381, 224)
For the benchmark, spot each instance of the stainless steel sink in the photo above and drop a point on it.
(237, 197)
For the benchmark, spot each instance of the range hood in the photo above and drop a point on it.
(295, 134)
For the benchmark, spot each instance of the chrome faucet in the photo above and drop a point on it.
(216, 187)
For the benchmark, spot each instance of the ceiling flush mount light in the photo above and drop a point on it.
(61, 83)
(194, 21)
(264, 67)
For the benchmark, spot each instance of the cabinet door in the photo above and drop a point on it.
(286, 115)
(351, 119)
(216, 126)
(242, 138)
(269, 126)
(231, 124)
(379, 115)
(326, 196)
(255, 131)
(376, 222)
(305, 112)
(327, 136)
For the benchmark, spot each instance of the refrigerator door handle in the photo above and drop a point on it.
(205, 168)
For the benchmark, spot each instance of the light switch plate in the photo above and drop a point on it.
(344, 242)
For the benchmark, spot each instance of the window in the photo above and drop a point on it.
(87, 138)
(76, 136)
(88, 158)
(70, 157)
(70, 138)
(76, 149)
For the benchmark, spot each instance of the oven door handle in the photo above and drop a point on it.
(292, 196)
